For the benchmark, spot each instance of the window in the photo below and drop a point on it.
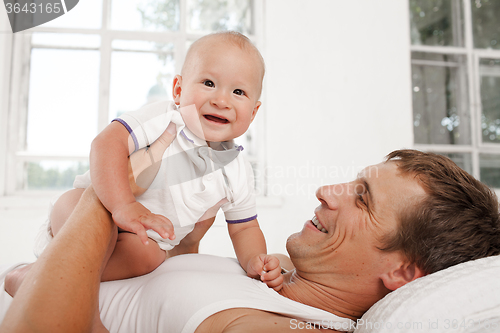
(73, 75)
(456, 82)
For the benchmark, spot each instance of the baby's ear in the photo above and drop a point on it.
(255, 109)
(176, 90)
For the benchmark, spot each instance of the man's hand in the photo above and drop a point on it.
(268, 268)
(136, 218)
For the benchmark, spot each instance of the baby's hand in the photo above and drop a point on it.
(268, 268)
(136, 218)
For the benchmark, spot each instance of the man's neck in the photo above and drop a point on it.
(338, 299)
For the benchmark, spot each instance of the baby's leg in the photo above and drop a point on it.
(191, 243)
(132, 258)
(63, 208)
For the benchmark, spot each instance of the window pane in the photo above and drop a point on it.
(72, 40)
(440, 99)
(148, 15)
(436, 22)
(53, 174)
(63, 92)
(463, 160)
(138, 79)
(214, 15)
(490, 99)
(485, 23)
(490, 169)
(86, 14)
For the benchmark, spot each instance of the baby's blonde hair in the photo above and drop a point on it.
(233, 37)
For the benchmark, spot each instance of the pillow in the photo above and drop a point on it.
(461, 298)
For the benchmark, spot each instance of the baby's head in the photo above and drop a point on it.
(222, 77)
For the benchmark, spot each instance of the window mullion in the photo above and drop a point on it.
(472, 83)
(5, 84)
(181, 37)
(18, 109)
(104, 80)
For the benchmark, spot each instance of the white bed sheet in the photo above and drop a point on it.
(462, 298)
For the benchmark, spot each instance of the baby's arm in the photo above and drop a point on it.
(250, 248)
(110, 178)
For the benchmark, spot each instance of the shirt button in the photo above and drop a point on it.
(209, 177)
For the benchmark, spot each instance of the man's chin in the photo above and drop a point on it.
(292, 243)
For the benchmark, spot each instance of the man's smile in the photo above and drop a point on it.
(318, 225)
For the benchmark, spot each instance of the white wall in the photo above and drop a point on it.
(337, 96)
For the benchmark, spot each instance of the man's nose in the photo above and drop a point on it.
(332, 195)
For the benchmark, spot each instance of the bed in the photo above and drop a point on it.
(463, 298)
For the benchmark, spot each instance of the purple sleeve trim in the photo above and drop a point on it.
(185, 137)
(121, 121)
(243, 220)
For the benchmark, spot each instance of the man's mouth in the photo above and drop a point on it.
(318, 225)
(216, 119)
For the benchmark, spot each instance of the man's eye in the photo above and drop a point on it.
(361, 199)
(239, 92)
(209, 83)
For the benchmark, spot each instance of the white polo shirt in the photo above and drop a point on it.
(194, 180)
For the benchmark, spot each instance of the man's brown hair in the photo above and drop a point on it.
(458, 221)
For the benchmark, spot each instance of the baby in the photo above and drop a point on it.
(215, 99)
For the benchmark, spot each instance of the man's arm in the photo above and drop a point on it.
(61, 291)
(254, 321)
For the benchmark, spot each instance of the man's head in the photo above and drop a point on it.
(355, 217)
(222, 77)
(412, 215)
(457, 221)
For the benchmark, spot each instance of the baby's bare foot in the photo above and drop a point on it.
(14, 279)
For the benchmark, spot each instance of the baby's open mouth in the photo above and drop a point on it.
(216, 119)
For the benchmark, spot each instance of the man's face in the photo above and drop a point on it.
(223, 82)
(354, 217)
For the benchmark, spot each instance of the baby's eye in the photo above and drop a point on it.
(239, 92)
(209, 83)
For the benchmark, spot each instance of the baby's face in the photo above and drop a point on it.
(223, 82)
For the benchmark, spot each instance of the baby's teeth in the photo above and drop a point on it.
(323, 230)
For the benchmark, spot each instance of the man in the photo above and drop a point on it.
(412, 215)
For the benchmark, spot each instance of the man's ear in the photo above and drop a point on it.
(255, 109)
(401, 275)
(176, 89)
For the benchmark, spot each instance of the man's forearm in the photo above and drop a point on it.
(60, 293)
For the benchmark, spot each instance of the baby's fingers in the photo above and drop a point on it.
(160, 224)
(276, 283)
(139, 230)
(271, 263)
(270, 275)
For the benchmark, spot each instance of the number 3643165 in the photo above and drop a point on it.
(33, 8)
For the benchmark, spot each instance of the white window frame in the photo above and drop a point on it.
(473, 57)
(19, 90)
